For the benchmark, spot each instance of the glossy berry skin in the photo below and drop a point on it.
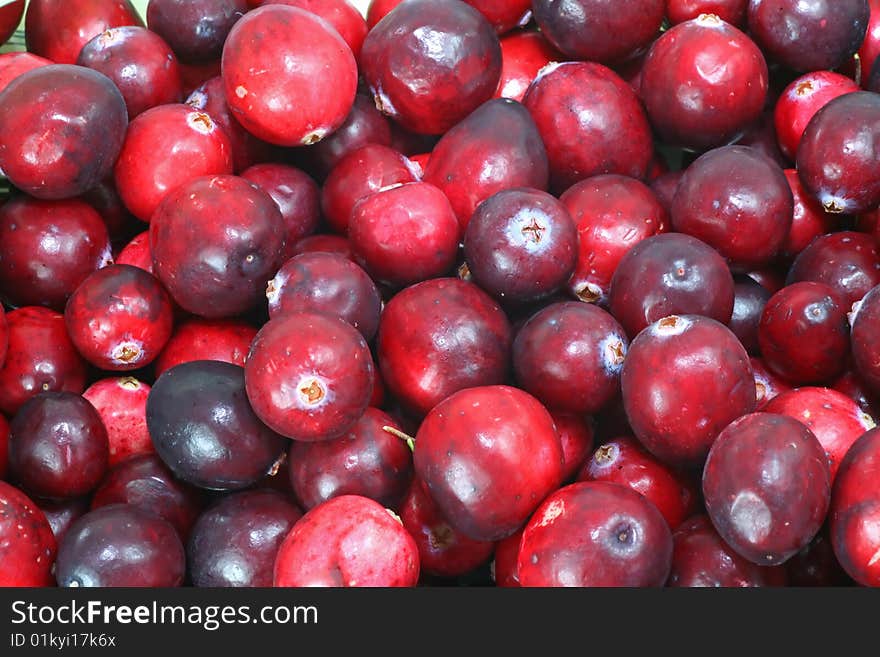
(120, 545)
(342, 16)
(809, 220)
(749, 300)
(717, 108)
(215, 242)
(119, 318)
(738, 202)
(503, 566)
(809, 36)
(13, 64)
(668, 274)
(28, 545)
(684, 379)
(40, 358)
(122, 404)
(324, 243)
(165, 148)
(804, 333)
(836, 158)
(591, 122)
(497, 147)
(612, 214)
(595, 534)
(523, 55)
(569, 355)
(503, 14)
(855, 511)
(598, 30)
(366, 461)
(137, 253)
(205, 430)
(623, 461)
(404, 235)
(438, 337)
(235, 541)
(49, 248)
(852, 384)
(349, 541)
(731, 11)
(195, 29)
(58, 446)
(865, 339)
(501, 492)
(311, 75)
(62, 129)
(430, 88)
(225, 340)
(765, 518)
(577, 437)
(140, 64)
(61, 514)
(326, 283)
(10, 16)
(309, 376)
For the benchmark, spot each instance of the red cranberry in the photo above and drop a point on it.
(731, 11)
(236, 541)
(340, 14)
(121, 224)
(771, 278)
(63, 128)
(11, 14)
(367, 460)
(58, 446)
(504, 14)
(49, 248)
(668, 274)
(612, 214)
(749, 301)
(865, 339)
(595, 534)
(569, 355)
(122, 404)
(804, 333)
(809, 220)
(500, 492)
(738, 202)
(195, 29)
(137, 253)
(761, 137)
(61, 514)
(14, 64)
(685, 379)
(577, 437)
(40, 358)
(196, 75)
(438, 337)
(58, 29)
(165, 148)
(304, 85)
(324, 244)
(503, 566)
(494, 149)
(523, 54)
(428, 89)
(309, 376)
(809, 36)
(378, 10)
(851, 384)
(206, 339)
(348, 541)
(27, 545)
(836, 159)
(120, 545)
(767, 385)
(597, 30)
(716, 108)
(815, 565)
(591, 122)
(870, 49)
(144, 481)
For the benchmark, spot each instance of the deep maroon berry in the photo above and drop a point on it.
(61, 514)
(195, 29)
(816, 565)
(866, 339)
(749, 299)
(577, 434)
(27, 545)
(10, 16)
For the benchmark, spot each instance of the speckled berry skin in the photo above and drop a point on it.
(226, 340)
(684, 379)
(27, 545)
(122, 404)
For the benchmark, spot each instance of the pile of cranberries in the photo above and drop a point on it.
(520, 293)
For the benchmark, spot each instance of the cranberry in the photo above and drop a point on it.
(309, 376)
(870, 49)
(61, 514)
(165, 148)
(40, 358)
(120, 545)
(324, 244)
(738, 202)
(137, 253)
(595, 534)
(749, 301)
(195, 29)
(816, 565)
(809, 36)
(49, 248)
(523, 55)
(667, 274)
(865, 339)
(304, 85)
(63, 128)
(569, 355)
(27, 545)
(809, 220)
(597, 30)
(770, 278)
(494, 149)
(144, 481)
(122, 404)
(761, 137)
(236, 541)
(612, 214)
(731, 11)
(367, 460)
(378, 10)
(503, 566)
(58, 446)
(716, 108)
(591, 122)
(347, 541)
(340, 14)
(58, 29)
(13, 64)
(836, 159)
(851, 384)
(121, 224)
(10, 16)
(438, 337)
(684, 379)
(196, 75)
(4, 446)
(767, 385)
(206, 339)
(577, 437)
(430, 63)
(205, 430)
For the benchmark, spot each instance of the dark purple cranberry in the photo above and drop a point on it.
(808, 222)
(816, 565)
(195, 29)
(61, 514)
(866, 339)
(749, 299)
(853, 385)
